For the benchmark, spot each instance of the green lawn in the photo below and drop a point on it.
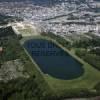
(87, 81)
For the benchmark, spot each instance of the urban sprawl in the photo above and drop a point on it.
(63, 19)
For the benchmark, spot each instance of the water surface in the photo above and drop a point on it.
(53, 60)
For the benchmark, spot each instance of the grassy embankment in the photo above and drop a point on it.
(82, 86)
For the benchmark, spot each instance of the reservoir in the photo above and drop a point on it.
(53, 60)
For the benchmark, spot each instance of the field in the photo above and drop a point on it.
(82, 86)
(26, 29)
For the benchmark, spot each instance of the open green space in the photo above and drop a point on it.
(82, 86)
(22, 88)
(41, 86)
